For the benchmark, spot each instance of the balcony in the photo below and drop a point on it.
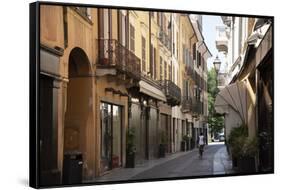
(204, 118)
(114, 58)
(172, 92)
(189, 70)
(226, 20)
(197, 107)
(221, 39)
(222, 80)
(186, 104)
(165, 40)
(198, 80)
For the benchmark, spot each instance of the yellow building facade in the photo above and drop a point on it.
(105, 71)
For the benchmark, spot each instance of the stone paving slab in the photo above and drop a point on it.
(121, 174)
(220, 163)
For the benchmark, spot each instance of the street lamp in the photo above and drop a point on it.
(217, 64)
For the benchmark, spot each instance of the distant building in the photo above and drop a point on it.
(246, 84)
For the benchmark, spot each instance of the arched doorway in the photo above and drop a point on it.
(79, 115)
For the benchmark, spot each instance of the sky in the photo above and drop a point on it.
(209, 24)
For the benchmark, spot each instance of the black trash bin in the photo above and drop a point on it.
(72, 168)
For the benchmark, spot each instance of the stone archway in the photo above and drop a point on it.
(78, 122)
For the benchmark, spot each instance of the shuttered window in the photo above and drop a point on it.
(132, 38)
(165, 70)
(154, 61)
(186, 88)
(161, 68)
(143, 44)
(170, 72)
(199, 59)
(194, 51)
(183, 54)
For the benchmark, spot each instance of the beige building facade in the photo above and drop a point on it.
(249, 74)
(105, 71)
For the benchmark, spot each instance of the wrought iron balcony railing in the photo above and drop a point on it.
(172, 92)
(111, 54)
(165, 39)
(197, 107)
(205, 118)
(186, 104)
(221, 39)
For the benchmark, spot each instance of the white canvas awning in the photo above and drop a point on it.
(150, 90)
(233, 97)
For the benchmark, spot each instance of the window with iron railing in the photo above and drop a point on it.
(165, 70)
(84, 12)
(164, 23)
(183, 54)
(151, 59)
(158, 18)
(132, 38)
(113, 54)
(194, 51)
(177, 45)
(170, 72)
(198, 59)
(154, 66)
(173, 73)
(186, 88)
(104, 24)
(161, 68)
(143, 53)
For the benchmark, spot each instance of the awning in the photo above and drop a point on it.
(233, 97)
(261, 22)
(152, 91)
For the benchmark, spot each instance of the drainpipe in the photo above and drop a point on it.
(191, 38)
(149, 39)
(127, 30)
(171, 46)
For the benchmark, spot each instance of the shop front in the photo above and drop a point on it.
(111, 136)
(144, 118)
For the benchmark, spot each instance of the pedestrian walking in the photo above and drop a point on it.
(201, 143)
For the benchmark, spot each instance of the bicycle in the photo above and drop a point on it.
(201, 150)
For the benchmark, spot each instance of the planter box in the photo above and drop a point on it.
(247, 164)
(130, 160)
(192, 144)
(183, 146)
(162, 151)
(234, 162)
(187, 146)
(115, 161)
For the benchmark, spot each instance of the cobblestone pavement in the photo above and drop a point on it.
(215, 161)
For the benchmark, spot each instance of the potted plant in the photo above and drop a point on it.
(243, 149)
(192, 142)
(186, 140)
(162, 145)
(183, 145)
(130, 148)
(246, 160)
(236, 141)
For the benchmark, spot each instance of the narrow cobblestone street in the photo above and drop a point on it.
(131, 94)
(215, 161)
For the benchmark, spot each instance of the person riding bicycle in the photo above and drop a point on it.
(201, 143)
